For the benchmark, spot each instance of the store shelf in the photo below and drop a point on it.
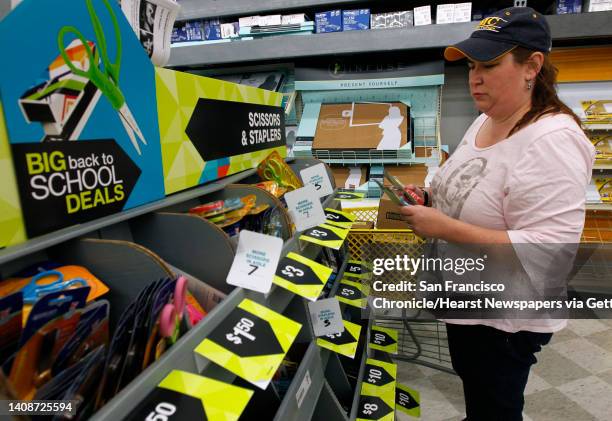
(181, 356)
(56, 237)
(599, 206)
(603, 166)
(206, 9)
(597, 127)
(563, 27)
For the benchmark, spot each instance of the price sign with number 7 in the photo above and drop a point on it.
(255, 262)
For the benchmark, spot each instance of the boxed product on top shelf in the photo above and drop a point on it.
(453, 13)
(330, 21)
(598, 5)
(356, 20)
(389, 20)
(568, 6)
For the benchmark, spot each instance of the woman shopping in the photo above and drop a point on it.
(518, 176)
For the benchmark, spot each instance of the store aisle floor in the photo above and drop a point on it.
(571, 382)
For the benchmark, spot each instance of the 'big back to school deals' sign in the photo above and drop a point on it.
(80, 110)
(211, 128)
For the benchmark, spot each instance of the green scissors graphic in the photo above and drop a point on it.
(107, 80)
(274, 171)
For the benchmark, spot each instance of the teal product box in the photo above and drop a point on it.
(569, 6)
(330, 21)
(80, 108)
(356, 20)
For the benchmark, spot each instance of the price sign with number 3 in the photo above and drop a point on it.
(302, 276)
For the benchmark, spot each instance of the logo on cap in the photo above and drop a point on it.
(491, 24)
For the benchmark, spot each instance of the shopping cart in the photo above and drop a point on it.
(421, 339)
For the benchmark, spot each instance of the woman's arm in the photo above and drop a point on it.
(431, 223)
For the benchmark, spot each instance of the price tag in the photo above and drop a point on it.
(422, 15)
(377, 399)
(325, 235)
(383, 339)
(357, 269)
(302, 276)
(445, 13)
(255, 262)
(374, 408)
(187, 396)
(347, 195)
(318, 177)
(339, 218)
(463, 12)
(305, 207)
(251, 342)
(326, 317)
(353, 293)
(344, 343)
(408, 400)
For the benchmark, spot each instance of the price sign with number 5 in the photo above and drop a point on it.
(318, 177)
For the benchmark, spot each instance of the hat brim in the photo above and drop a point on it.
(478, 49)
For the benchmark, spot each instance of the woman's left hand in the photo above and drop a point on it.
(426, 222)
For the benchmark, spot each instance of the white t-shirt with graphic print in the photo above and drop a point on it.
(531, 184)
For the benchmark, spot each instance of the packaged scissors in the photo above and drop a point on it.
(10, 324)
(51, 323)
(274, 168)
(44, 280)
(91, 332)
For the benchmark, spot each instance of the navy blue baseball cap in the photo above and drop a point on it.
(502, 32)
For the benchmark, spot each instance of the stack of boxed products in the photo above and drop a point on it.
(250, 27)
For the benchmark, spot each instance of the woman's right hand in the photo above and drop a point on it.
(416, 193)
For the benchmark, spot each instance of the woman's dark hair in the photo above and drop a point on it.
(544, 99)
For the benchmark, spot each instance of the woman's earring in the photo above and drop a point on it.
(529, 85)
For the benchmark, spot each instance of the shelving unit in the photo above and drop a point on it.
(602, 167)
(563, 27)
(129, 250)
(599, 206)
